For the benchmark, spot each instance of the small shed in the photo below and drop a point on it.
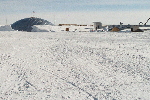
(97, 25)
(135, 28)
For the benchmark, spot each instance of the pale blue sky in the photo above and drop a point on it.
(76, 11)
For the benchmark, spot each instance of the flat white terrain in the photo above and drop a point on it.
(74, 66)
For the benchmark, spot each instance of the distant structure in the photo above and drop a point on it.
(135, 28)
(67, 25)
(121, 25)
(72, 25)
(36, 25)
(97, 25)
(140, 23)
(115, 29)
(27, 23)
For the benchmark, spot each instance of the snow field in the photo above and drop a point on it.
(74, 66)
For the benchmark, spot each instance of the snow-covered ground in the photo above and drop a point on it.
(6, 28)
(74, 66)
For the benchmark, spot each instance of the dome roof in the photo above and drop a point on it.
(115, 29)
(27, 23)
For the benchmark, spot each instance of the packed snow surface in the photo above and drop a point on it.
(74, 66)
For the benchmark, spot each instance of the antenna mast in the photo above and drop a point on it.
(147, 21)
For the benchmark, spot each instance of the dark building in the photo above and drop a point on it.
(27, 23)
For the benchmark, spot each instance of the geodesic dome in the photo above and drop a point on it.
(27, 23)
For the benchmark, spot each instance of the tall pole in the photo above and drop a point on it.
(54, 20)
(147, 21)
(6, 20)
(33, 13)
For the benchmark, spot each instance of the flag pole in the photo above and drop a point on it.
(33, 13)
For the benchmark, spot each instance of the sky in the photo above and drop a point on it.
(76, 11)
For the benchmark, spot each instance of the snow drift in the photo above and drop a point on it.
(6, 28)
(74, 66)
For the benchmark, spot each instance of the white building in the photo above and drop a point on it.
(49, 28)
(97, 25)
